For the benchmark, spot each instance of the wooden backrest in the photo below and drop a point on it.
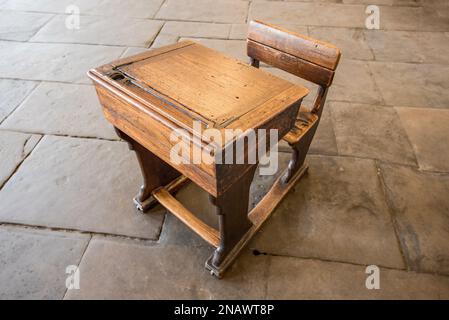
(305, 57)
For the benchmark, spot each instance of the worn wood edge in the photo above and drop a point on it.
(146, 107)
(98, 79)
(294, 93)
(209, 146)
(258, 216)
(108, 67)
(113, 89)
(164, 99)
(170, 203)
(293, 137)
(101, 79)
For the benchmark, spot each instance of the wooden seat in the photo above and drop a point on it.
(303, 124)
(307, 58)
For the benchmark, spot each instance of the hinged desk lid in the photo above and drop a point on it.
(202, 84)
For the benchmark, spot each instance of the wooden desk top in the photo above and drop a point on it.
(188, 81)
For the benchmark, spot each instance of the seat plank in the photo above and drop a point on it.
(305, 121)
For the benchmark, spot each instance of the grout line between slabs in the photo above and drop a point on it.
(20, 164)
(248, 7)
(61, 135)
(333, 121)
(162, 228)
(159, 9)
(269, 254)
(50, 81)
(76, 231)
(145, 46)
(156, 35)
(25, 98)
(78, 265)
(402, 248)
(369, 46)
(379, 92)
(282, 150)
(266, 276)
(411, 145)
(229, 22)
(39, 29)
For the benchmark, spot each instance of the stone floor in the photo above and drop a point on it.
(377, 192)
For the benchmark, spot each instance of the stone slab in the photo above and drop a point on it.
(400, 18)
(14, 148)
(368, 131)
(164, 40)
(412, 85)
(407, 46)
(33, 262)
(113, 269)
(131, 8)
(133, 51)
(421, 213)
(101, 30)
(292, 278)
(354, 82)
(232, 48)
(196, 29)
(434, 18)
(13, 92)
(21, 26)
(336, 212)
(344, 15)
(52, 61)
(61, 109)
(428, 130)
(79, 184)
(238, 31)
(333, 15)
(407, 3)
(223, 11)
(324, 141)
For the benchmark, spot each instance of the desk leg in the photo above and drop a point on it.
(232, 210)
(155, 172)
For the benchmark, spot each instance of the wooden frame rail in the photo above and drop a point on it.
(169, 202)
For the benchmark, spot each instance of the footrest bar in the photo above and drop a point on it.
(172, 187)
